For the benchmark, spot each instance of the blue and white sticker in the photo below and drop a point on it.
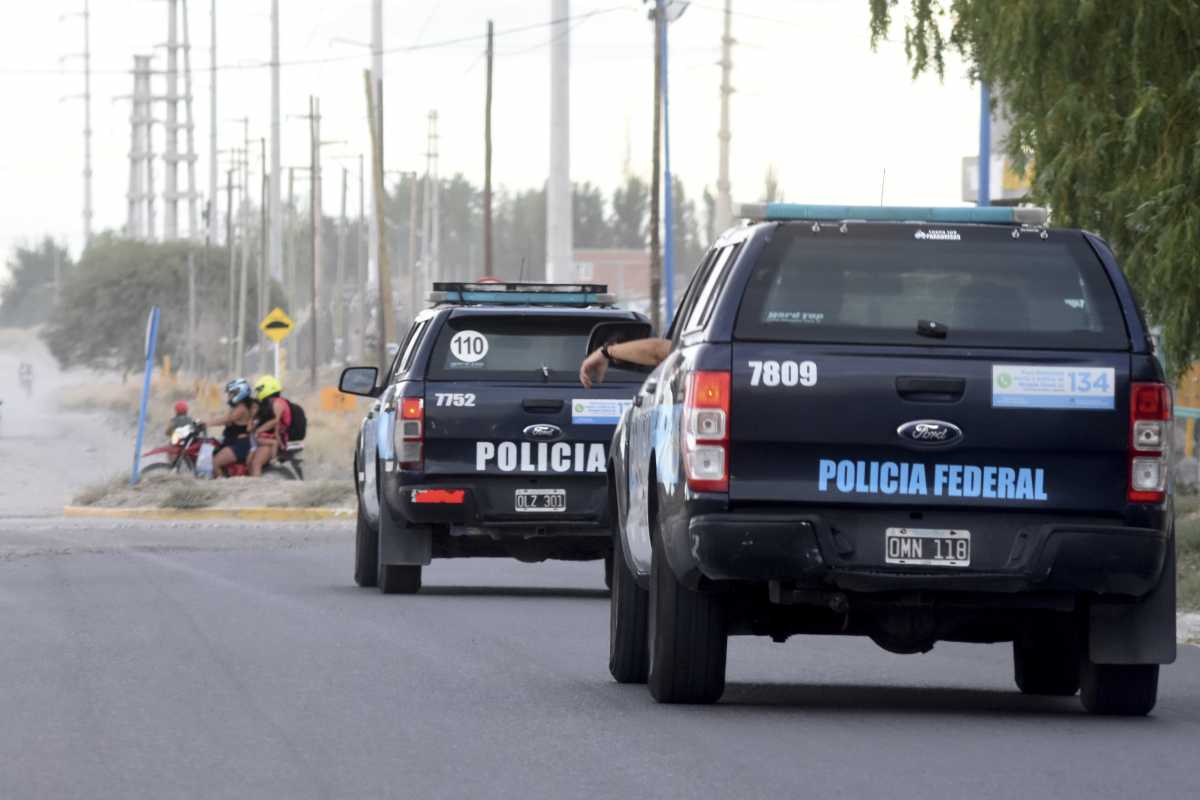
(598, 412)
(1084, 388)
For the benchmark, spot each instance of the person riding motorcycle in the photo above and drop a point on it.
(235, 441)
(180, 419)
(271, 423)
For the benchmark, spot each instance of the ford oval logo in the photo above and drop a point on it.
(931, 432)
(543, 432)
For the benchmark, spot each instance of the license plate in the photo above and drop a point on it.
(928, 547)
(541, 501)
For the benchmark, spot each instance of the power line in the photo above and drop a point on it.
(413, 48)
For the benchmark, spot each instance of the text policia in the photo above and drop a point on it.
(949, 480)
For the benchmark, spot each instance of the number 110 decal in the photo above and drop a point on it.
(783, 373)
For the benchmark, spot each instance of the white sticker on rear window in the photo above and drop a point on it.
(468, 347)
(1085, 388)
(796, 317)
(598, 412)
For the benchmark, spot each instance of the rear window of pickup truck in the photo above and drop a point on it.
(530, 349)
(875, 283)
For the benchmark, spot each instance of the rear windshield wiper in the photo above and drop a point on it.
(934, 330)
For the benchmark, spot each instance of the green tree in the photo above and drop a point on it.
(28, 297)
(101, 318)
(630, 204)
(591, 225)
(1104, 100)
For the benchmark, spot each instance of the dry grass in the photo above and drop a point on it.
(94, 493)
(321, 494)
(190, 493)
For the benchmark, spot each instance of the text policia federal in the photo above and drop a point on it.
(949, 480)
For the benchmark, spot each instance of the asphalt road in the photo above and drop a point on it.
(251, 667)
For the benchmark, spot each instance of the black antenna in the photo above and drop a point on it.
(522, 278)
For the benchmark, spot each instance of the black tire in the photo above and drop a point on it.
(366, 551)
(629, 610)
(399, 578)
(1046, 660)
(687, 638)
(608, 571)
(161, 468)
(1128, 690)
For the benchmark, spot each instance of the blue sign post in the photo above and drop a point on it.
(151, 344)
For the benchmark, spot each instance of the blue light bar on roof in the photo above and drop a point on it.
(522, 294)
(995, 215)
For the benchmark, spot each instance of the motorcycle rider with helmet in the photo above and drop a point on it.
(271, 423)
(235, 441)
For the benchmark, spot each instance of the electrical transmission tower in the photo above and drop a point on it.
(139, 218)
(171, 156)
(86, 58)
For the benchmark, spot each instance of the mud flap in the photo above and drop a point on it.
(1137, 633)
(400, 543)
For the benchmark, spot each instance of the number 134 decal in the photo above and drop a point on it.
(783, 373)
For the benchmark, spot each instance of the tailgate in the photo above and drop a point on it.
(516, 429)
(836, 424)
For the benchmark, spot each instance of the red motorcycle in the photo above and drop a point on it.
(189, 439)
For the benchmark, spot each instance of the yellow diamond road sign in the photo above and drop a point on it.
(277, 325)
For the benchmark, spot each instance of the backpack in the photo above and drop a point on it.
(298, 428)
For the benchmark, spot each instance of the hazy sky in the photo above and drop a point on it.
(812, 98)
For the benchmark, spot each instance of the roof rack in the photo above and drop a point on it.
(994, 215)
(521, 294)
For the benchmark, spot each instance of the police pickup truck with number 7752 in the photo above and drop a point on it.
(911, 424)
(481, 441)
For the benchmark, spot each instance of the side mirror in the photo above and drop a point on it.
(616, 332)
(359, 381)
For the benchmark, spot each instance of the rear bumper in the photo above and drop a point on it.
(1012, 555)
(489, 505)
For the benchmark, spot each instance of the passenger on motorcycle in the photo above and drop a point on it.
(235, 442)
(271, 423)
(180, 419)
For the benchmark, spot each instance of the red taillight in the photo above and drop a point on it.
(705, 432)
(1149, 441)
(410, 433)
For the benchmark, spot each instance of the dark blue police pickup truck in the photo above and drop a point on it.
(911, 424)
(481, 441)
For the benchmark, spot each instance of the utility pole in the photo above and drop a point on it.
(376, 101)
(314, 112)
(655, 182)
(435, 212)
(360, 263)
(139, 219)
(339, 297)
(240, 353)
(668, 187)
(229, 245)
(191, 337)
(289, 262)
(265, 360)
(724, 209)
(212, 127)
(487, 159)
(414, 268)
(559, 235)
(275, 248)
(387, 307)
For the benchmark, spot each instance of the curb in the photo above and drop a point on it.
(250, 514)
